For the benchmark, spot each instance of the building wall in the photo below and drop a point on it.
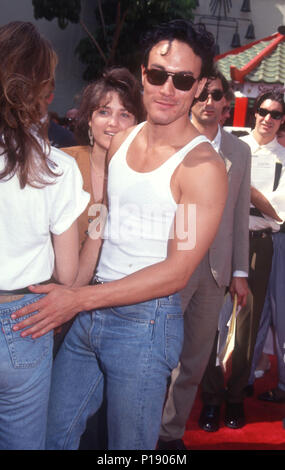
(266, 16)
(69, 80)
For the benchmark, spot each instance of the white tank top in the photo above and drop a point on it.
(141, 213)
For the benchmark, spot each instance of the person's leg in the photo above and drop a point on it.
(200, 326)
(95, 436)
(140, 346)
(212, 384)
(77, 384)
(25, 370)
(261, 253)
(238, 379)
(278, 303)
(264, 326)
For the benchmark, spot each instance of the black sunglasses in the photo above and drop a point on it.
(215, 94)
(274, 114)
(182, 81)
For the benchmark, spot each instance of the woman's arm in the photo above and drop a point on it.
(66, 250)
(88, 259)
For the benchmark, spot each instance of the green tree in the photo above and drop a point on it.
(118, 25)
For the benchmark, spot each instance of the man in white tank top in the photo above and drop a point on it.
(132, 322)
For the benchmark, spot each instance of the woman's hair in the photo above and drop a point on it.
(117, 79)
(26, 79)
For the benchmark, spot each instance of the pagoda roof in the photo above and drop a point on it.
(258, 61)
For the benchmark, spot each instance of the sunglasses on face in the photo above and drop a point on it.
(215, 94)
(274, 114)
(181, 81)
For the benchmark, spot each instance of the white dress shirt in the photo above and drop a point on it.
(264, 159)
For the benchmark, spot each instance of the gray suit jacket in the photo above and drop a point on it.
(230, 249)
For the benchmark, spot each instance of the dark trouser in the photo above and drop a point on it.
(248, 320)
(202, 298)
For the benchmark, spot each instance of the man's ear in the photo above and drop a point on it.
(201, 85)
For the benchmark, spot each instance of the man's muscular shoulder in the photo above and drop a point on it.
(203, 154)
(201, 169)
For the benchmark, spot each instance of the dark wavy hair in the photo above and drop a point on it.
(196, 36)
(274, 95)
(26, 76)
(118, 79)
(216, 74)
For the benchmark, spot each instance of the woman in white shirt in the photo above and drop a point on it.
(41, 197)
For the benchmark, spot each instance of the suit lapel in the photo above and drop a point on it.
(226, 150)
(228, 163)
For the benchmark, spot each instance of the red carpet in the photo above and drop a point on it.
(263, 431)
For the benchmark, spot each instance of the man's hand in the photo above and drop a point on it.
(57, 307)
(239, 287)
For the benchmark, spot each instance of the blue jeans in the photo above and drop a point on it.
(25, 371)
(126, 353)
(273, 311)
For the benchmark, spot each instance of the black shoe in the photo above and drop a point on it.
(234, 415)
(273, 396)
(210, 418)
(176, 444)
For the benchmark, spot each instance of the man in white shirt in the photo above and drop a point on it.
(267, 239)
(226, 264)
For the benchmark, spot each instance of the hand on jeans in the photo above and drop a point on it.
(57, 307)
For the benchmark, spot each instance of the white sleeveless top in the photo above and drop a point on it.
(141, 213)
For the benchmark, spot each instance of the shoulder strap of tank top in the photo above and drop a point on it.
(132, 135)
(173, 162)
(122, 150)
(192, 144)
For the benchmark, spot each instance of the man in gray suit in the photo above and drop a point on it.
(226, 264)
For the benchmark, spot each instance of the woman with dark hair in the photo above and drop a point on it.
(41, 197)
(109, 105)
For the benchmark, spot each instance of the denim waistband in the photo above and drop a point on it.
(169, 299)
(9, 307)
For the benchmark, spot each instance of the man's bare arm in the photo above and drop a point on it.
(203, 185)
